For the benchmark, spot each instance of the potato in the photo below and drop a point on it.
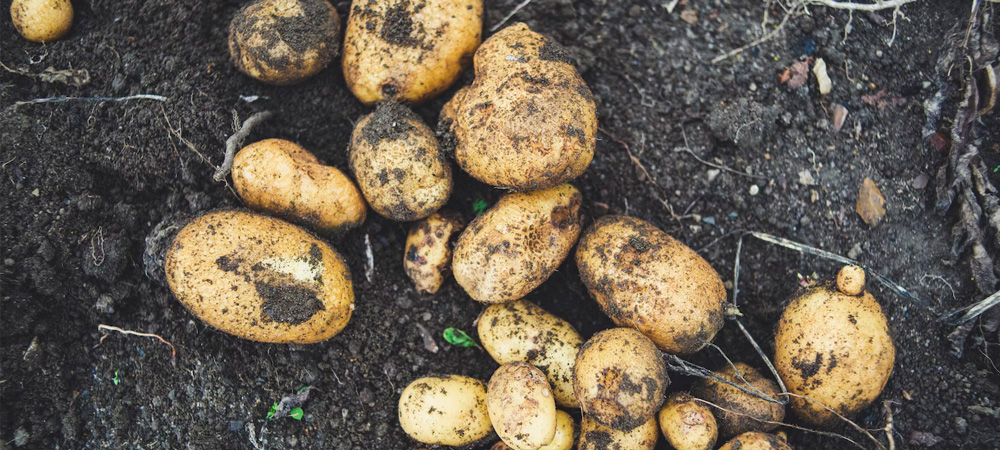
(687, 424)
(619, 378)
(428, 251)
(748, 411)
(521, 406)
(595, 436)
(645, 279)
(520, 331)
(399, 164)
(565, 433)
(409, 51)
(834, 348)
(445, 410)
(756, 441)
(42, 20)
(528, 121)
(279, 177)
(284, 41)
(259, 278)
(516, 245)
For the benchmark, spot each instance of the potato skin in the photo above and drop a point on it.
(516, 245)
(281, 178)
(259, 278)
(528, 121)
(835, 349)
(687, 424)
(445, 410)
(595, 436)
(520, 331)
(748, 406)
(521, 406)
(42, 20)
(756, 441)
(427, 260)
(565, 433)
(399, 164)
(645, 279)
(409, 50)
(619, 378)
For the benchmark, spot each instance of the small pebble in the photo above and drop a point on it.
(822, 78)
(712, 174)
(753, 87)
(754, 190)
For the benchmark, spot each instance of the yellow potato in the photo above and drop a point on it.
(756, 441)
(521, 406)
(687, 424)
(284, 41)
(748, 411)
(445, 410)
(595, 436)
(564, 439)
(409, 51)
(279, 177)
(399, 164)
(428, 250)
(260, 278)
(516, 245)
(520, 331)
(42, 20)
(645, 279)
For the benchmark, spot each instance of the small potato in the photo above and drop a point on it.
(595, 436)
(279, 177)
(428, 250)
(42, 20)
(749, 411)
(259, 278)
(516, 245)
(564, 439)
(645, 279)
(687, 424)
(521, 406)
(445, 410)
(619, 378)
(409, 51)
(399, 164)
(756, 441)
(520, 331)
(284, 41)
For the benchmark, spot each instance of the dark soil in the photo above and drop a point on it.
(86, 182)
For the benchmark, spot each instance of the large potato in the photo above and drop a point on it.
(745, 411)
(409, 50)
(520, 331)
(428, 250)
(445, 410)
(259, 278)
(399, 164)
(281, 178)
(528, 121)
(619, 378)
(521, 406)
(42, 20)
(834, 348)
(687, 424)
(516, 245)
(645, 279)
(595, 436)
(756, 441)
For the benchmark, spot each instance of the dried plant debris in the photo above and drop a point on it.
(77, 78)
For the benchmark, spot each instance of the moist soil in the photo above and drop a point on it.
(85, 183)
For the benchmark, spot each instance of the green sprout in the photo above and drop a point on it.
(479, 206)
(296, 413)
(454, 336)
(116, 380)
(996, 169)
(274, 409)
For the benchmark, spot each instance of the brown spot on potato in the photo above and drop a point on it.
(287, 303)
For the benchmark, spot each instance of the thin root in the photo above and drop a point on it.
(173, 350)
(236, 141)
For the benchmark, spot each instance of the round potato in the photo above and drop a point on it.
(645, 279)
(279, 177)
(565, 433)
(520, 331)
(834, 348)
(521, 406)
(528, 121)
(42, 20)
(619, 378)
(596, 436)
(687, 424)
(428, 251)
(399, 164)
(259, 278)
(756, 441)
(284, 41)
(748, 412)
(409, 51)
(516, 245)
(445, 410)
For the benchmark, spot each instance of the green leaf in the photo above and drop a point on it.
(302, 389)
(454, 336)
(296, 413)
(479, 206)
(116, 380)
(274, 409)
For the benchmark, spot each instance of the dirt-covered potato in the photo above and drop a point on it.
(521, 406)
(520, 331)
(42, 20)
(756, 441)
(645, 279)
(565, 433)
(284, 41)
(748, 411)
(399, 164)
(834, 347)
(409, 51)
(427, 260)
(619, 378)
(281, 178)
(595, 436)
(528, 121)
(259, 278)
(687, 424)
(445, 410)
(517, 244)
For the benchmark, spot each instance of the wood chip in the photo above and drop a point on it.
(822, 78)
(871, 203)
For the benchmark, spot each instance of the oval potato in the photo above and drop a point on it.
(521, 406)
(427, 260)
(42, 20)
(748, 411)
(259, 278)
(756, 441)
(445, 410)
(687, 424)
(595, 436)
(564, 439)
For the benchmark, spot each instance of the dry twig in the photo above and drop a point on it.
(235, 141)
(173, 350)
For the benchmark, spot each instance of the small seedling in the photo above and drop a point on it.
(289, 405)
(116, 380)
(479, 206)
(454, 336)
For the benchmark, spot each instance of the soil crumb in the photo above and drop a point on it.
(389, 121)
(288, 303)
